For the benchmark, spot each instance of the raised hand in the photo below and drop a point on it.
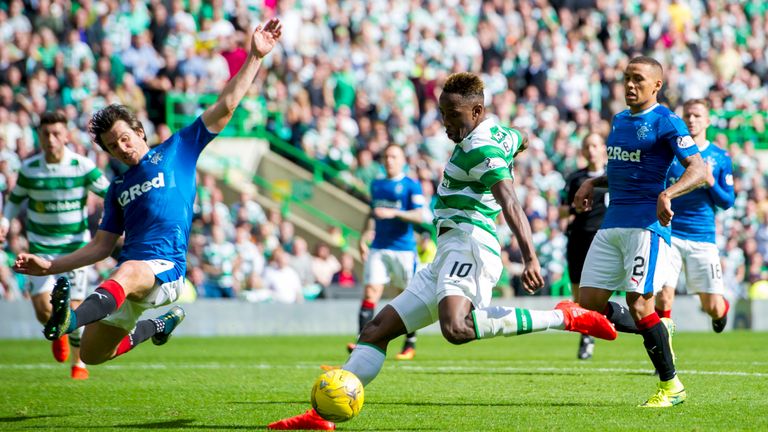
(265, 38)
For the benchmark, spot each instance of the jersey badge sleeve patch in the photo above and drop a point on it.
(685, 142)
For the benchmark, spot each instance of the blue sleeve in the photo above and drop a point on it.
(674, 133)
(373, 197)
(112, 220)
(722, 191)
(192, 140)
(416, 197)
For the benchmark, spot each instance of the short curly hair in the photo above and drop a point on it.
(104, 119)
(465, 84)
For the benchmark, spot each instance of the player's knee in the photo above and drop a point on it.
(372, 332)
(457, 333)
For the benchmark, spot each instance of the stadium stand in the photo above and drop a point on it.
(351, 77)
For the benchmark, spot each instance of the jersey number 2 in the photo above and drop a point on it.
(639, 268)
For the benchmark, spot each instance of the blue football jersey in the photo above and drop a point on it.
(152, 201)
(403, 193)
(695, 212)
(640, 148)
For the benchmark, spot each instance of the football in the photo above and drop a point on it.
(337, 395)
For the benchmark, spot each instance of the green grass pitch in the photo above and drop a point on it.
(532, 382)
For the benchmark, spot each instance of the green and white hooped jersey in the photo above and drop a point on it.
(57, 216)
(464, 198)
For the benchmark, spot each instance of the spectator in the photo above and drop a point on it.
(281, 280)
(324, 265)
(345, 277)
(220, 262)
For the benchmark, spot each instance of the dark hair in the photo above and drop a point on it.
(104, 119)
(52, 117)
(648, 61)
(393, 145)
(697, 101)
(465, 84)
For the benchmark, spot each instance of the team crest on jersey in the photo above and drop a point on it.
(643, 131)
(157, 157)
(399, 188)
(685, 142)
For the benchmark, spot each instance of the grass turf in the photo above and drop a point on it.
(525, 383)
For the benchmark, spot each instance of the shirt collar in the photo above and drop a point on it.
(484, 126)
(645, 111)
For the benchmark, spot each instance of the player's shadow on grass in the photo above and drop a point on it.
(182, 424)
(23, 418)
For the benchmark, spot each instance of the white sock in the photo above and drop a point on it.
(365, 362)
(503, 321)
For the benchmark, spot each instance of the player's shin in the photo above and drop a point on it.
(657, 344)
(367, 309)
(621, 318)
(504, 321)
(365, 362)
(144, 330)
(107, 298)
(74, 343)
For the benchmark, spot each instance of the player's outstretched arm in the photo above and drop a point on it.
(96, 250)
(263, 40)
(694, 176)
(504, 192)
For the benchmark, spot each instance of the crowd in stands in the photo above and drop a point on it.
(352, 76)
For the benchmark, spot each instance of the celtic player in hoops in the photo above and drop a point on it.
(55, 183)
(456, 288)
(152, 203)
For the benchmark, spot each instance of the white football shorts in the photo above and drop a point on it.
(627, 259)
(462, 267)
(164, 293)
(701, 263)
(392, 267)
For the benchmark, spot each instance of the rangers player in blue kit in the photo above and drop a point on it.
(631, 250)
(396, 205)
(152, 203)
(693, 229)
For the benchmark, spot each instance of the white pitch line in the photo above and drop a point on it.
(572, 370)
(415, 368)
